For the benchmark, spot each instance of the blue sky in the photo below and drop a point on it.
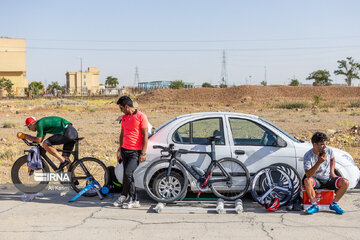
(183, 40)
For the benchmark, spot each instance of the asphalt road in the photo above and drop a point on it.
(53, 217)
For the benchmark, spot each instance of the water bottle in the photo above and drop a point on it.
(27, 197)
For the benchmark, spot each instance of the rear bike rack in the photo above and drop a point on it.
(184, 206)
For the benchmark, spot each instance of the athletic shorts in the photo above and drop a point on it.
(67, 139)
(332, 183)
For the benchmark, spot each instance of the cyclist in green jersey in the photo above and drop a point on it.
(63, 133)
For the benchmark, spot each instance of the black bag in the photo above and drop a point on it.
(113, 185)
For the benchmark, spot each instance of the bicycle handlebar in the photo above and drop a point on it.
(159, 147)
(30, 143)
(171, 149)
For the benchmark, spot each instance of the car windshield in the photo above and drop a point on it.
(288, 135)
(159, 128)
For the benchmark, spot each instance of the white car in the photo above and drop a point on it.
(252, 140)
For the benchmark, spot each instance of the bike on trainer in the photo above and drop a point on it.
(82, 171)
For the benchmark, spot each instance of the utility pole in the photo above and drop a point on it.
(265, 74)
(137, 78)
(223, 70)
(81, 74)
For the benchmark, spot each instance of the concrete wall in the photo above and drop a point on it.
(13, 63)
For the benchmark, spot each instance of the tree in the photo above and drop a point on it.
(178, 84)
(349, 68)
(264, 83)
(111, 82)
(320, 77)
(54, 85)
(7, 85)
(35, 88)
(207, 85)
(294, 82)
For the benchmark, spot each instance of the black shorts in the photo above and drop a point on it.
(67, 139)
(332, 183)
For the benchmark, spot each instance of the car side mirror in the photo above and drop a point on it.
(280, 142)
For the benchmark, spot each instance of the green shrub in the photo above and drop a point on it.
(207, 85)
(355, 104)
(293, 105)
(178, 84)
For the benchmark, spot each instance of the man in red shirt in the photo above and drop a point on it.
(133, 143)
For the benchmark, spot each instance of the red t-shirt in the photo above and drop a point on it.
(132, 125)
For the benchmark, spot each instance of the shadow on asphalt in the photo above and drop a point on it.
(10, 193)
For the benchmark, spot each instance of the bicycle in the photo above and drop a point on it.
(228, 178)
(81, 171)
(273, 182)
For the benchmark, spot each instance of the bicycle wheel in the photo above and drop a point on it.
(274, 183)
(161, 190)
(96, 169)
(237, 186)
(25, 180)
(294, 176)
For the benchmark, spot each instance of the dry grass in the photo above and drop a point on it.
(96, 121)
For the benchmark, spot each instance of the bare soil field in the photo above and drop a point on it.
(300, 111)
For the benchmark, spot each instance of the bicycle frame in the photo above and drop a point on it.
(51, 163)
(205, 178)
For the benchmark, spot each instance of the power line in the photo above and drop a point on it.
(191, 50)
(193, 41)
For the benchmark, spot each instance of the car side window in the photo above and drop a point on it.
(198, 132)
(205, 128)
(246, 132)
(182, 134)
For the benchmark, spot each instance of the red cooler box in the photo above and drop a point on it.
(323, 197)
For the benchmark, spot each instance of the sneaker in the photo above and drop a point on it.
(336, 208)
(297, 206)
(133, 204)
(312, 209)
(290, 206)
(120, 201)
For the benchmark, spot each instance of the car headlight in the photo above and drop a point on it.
(349, 158)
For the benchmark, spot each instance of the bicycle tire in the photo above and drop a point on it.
(294, 176)
(77, 173)
(152, 179)
(282, 189)
(20, 168)
(240, 184)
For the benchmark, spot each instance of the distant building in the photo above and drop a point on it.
(159, 84)
(13, 63)
(90, 82)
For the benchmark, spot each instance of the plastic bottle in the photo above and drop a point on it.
(27, 197)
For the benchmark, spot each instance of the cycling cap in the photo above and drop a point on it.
(29, 120)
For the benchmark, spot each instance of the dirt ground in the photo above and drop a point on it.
(299, 111)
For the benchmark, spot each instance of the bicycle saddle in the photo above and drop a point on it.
(79, 139)
(214, 138)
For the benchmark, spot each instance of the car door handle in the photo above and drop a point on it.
(239, 152)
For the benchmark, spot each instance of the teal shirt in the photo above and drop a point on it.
(53, 125)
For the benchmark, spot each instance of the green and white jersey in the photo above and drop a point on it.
(53, 125)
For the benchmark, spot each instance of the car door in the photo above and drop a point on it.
(193, 134)
(255, 145)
